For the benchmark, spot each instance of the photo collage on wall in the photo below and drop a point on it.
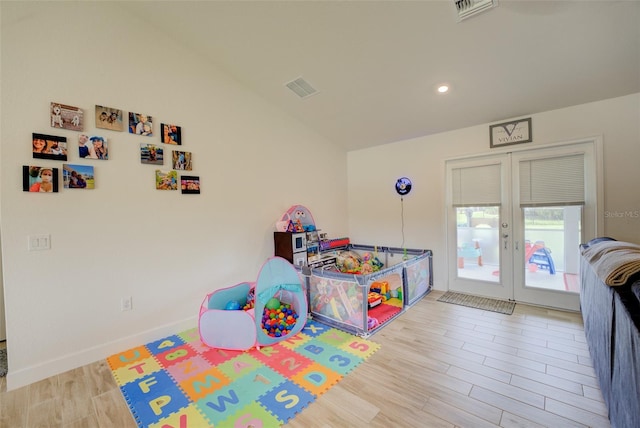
(96, 145)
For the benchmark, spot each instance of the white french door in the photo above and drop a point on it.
(515, 220)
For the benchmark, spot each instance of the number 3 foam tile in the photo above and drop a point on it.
(336, 359)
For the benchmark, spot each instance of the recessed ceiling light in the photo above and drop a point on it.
(443, 88)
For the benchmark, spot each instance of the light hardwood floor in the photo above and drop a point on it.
(440, 365)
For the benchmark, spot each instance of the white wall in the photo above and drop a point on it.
(375, 207)
(124, 238)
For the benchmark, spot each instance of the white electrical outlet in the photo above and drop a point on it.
(126, 304)
(38, 242)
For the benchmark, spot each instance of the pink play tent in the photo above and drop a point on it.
(242, 329)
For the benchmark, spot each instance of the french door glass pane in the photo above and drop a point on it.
(478, 243)
(551, 252)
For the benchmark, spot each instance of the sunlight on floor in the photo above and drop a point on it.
(540, 278)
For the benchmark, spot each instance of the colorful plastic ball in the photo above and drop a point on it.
(273, 303)
(232, 305)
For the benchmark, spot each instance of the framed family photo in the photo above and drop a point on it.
(93, 147)
(109, 118)
(39, 179)
(151, 154)
(171, 134)
(166, 180)
(52, 147)
(182, 160)
(140, 124)
(78, 176)
(190, 184)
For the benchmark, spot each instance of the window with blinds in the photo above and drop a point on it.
(476, 186)
(552, 181)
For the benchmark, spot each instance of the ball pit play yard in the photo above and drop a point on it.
(361, 303)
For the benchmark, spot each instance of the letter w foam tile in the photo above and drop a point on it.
(178, 381)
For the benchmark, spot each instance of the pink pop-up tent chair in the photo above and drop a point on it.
(239, 329)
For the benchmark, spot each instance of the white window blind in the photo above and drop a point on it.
(552, 181)
(476, 186)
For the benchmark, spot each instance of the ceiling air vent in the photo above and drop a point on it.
(468, 8)
(301, 87)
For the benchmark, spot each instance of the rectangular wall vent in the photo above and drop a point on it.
(301, 87)
(468, 8)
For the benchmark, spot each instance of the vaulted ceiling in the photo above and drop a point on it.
(376, 64)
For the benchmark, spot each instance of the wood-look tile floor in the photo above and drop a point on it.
(440, 365)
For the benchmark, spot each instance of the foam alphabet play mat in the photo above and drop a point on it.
(178, 381)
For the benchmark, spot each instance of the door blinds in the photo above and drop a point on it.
(552, 181)
(476, 186)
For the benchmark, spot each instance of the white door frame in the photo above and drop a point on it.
(513, 278)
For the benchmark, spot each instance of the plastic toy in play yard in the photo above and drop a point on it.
(241, 329)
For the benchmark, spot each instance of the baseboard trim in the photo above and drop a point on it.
(37, 372)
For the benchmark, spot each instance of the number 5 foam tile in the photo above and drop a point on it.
(359, 347)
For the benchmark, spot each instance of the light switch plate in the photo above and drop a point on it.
(39, 242)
